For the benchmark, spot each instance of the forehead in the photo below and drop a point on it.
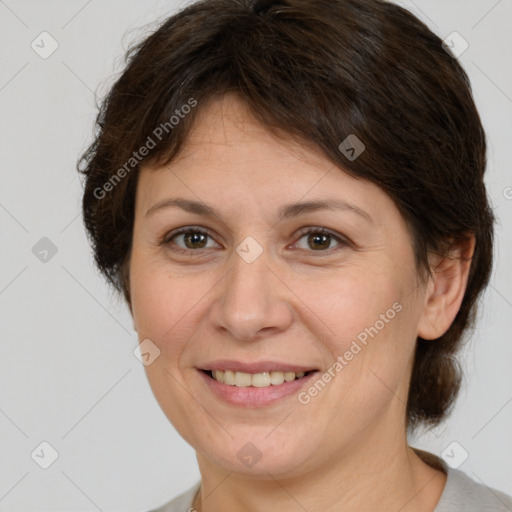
(225, 125)
(231, 160)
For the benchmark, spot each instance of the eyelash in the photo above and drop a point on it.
(167, 238)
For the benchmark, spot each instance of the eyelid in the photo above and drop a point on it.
(342, 240)
(168, 236)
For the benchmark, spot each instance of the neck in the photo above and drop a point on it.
(377, 476)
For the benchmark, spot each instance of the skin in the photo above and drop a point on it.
(347, 448)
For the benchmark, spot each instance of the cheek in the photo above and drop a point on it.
(370, 316)
(348, 303)
(162, 306)
(163, 310)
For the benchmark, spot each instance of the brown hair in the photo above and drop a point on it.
(318, 71)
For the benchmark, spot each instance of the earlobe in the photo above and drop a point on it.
(445, 289)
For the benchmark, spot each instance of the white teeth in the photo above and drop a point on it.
(289, 376)
(217, 375)
(276, 378)
(242, 380)
(261, 380)
(258, 380)
(229, 377)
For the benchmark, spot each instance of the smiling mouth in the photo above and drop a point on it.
(258, 380)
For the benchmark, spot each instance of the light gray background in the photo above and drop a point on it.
(68, 375)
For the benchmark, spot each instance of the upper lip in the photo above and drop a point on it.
(255, 366)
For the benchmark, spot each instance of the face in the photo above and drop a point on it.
(228, 274)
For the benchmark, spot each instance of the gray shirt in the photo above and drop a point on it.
(460, 494)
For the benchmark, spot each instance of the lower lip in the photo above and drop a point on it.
(251, 396)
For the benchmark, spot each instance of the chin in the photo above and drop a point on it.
(258, 456)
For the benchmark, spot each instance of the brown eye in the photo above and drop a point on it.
(320, 240)
(194, 239)
(187, 239)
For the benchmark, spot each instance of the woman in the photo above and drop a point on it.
(290, 197)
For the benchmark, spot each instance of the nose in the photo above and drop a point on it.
(252, 301)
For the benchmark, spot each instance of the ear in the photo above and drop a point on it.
(445, 289)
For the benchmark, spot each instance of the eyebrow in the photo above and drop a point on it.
(286, 212)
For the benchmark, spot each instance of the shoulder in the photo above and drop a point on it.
(463, 494)
(182, 503)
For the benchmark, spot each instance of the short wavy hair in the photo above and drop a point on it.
(317, 71)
